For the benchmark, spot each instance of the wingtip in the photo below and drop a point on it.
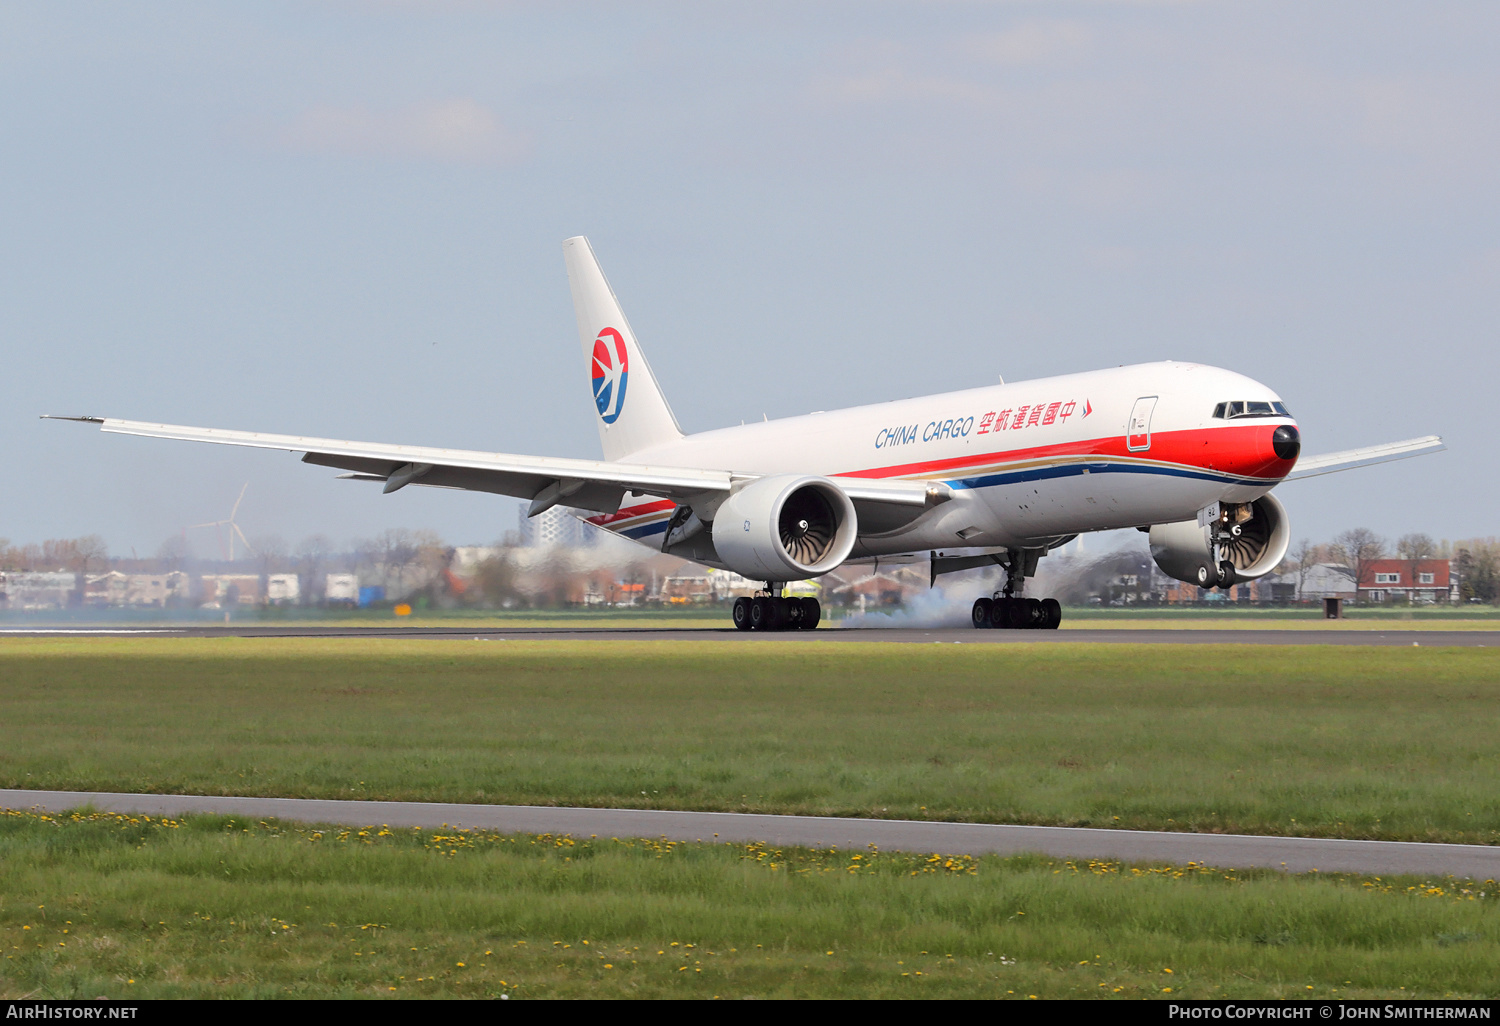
(80, 420)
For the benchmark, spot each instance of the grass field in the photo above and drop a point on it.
(1218, 616)
(208, 906)
(1351, 742)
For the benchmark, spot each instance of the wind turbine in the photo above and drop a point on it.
(233, 528)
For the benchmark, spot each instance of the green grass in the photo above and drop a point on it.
(118, 906)
(1396, 743)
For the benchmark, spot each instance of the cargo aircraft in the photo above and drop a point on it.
(996, 475)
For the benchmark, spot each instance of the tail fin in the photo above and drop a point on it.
(627, 423)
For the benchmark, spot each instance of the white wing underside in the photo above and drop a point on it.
(1349, 459)
(594, 485)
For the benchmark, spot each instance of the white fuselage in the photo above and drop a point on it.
(1026, 462)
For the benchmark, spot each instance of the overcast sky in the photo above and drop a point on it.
(344, 219)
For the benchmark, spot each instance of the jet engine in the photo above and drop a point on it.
(1254, 537)
(785, 528)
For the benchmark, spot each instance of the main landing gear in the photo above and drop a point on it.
(1007, 610)
(776, 612)
(1017, 613)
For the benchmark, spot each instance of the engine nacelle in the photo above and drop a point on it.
(1184, 551)
(785, 528)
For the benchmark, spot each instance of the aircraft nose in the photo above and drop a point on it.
(1287, 442)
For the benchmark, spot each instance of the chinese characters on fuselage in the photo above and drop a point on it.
(1010, 419)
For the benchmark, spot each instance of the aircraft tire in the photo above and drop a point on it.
(1016, 615)
(773, 613)
(759, 614)
(1051, 613)
(1000, 613)
(812, 612)
(741, 614)
(1034, 616)
(983, 611)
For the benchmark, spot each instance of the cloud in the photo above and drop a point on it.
(458, 130)
(1034, 43)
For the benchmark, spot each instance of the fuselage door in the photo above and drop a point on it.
(1138, 434)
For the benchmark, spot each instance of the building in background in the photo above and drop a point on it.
(556, 528)
(154, 591)
(1389, 580)
(1323, 581)
(221, 591)
(26, 589)
(283, 589)
(341, 589)
(467, 559)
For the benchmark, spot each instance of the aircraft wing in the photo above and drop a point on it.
(1328, 463)
(547, 481)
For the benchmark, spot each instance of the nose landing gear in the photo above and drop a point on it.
(776, 612)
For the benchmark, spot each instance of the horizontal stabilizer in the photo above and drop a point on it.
(1328, 463)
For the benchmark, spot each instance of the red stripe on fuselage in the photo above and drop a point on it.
(632, 511)
(1240, 450)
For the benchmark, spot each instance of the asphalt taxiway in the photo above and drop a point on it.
(895, 635)
(1239, 851)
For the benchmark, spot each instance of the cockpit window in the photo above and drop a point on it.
(1233, 410)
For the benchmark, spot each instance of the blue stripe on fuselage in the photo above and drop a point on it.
(1079, 469)
(645, 530)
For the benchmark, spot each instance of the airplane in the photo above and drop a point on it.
(996, 475)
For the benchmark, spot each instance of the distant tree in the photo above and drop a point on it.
(1477, 564)
(92, 553)
(270, 552)
(311, 560)
(402, 554)
(172, 554)
(497, 578)
(25, 557)
(1414, 548)
(1306, 556)
(1357, 548)
(60, 554)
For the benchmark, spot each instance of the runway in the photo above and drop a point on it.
(888, 635)
(1238, 851)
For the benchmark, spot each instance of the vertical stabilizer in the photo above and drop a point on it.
(633, 414)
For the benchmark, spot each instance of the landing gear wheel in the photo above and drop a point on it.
(1205, 576)
(760, 613)
(812, 612)
(1034, 616)
(980, 616)
(775, 616)
(741, 614)
(1017, 617)
(1226, 574)
(1051, 614)
(791, 614)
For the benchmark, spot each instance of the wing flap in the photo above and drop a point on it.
(1349, 459)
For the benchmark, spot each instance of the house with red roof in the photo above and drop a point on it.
(1405, 580)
